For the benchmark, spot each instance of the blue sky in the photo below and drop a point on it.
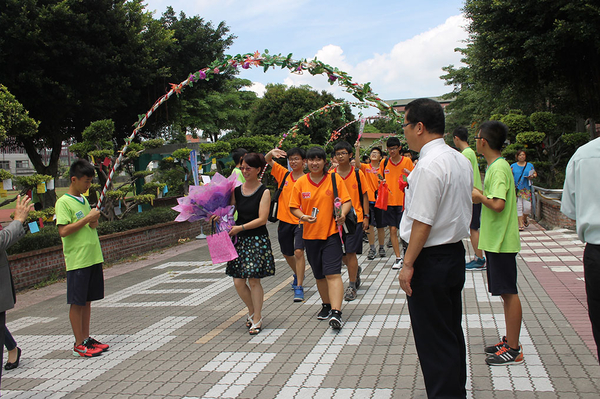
(398, 46)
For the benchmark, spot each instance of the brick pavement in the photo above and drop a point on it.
(176, 329)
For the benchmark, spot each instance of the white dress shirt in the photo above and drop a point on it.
(581, 192)
(439, 194)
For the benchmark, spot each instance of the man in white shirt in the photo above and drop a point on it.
(581, 201)
(437, 216)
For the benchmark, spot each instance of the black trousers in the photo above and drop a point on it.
(591, 272)
(436, 315)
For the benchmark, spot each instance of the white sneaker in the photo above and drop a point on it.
(398, 264)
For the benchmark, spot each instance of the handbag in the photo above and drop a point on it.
(382, 196)
(275, 201)
(382, 192)
(351, 219)
(220, 247)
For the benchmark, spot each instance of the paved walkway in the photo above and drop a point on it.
(175, 325)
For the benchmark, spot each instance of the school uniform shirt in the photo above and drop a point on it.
(283, 211)
(439, 195)
(393, 174)
(499, 231)
(82, 248)
(581, 192)
(352, 187)
(472, 157)
(307, 195)
(372, 180)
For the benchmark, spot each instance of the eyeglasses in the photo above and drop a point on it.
(393, 148)
(480, 138)
(341, 154)
(408, 123)
(295, 159)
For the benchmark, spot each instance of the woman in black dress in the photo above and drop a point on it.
(255, 260)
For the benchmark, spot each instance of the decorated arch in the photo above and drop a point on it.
(267, 61)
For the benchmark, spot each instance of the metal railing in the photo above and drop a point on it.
(539, 193)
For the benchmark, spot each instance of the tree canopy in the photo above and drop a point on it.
(282, 106)
(71, 62)
(14, 118)
(531, 55)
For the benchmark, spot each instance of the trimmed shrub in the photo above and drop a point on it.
(48, 236)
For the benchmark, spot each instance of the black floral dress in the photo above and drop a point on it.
(253, 246)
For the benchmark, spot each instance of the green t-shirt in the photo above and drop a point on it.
(500, 230)
(470, 154)
(82, 248)
(238, 173)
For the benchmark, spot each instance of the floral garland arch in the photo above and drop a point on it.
(362, 92)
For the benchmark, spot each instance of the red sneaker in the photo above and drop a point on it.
(84, 351)
(94, 344)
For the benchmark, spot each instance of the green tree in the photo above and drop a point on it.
(531, 55)
(97, 146)
(14, 118)
(282, 106)
(71, 62)
(214, 112)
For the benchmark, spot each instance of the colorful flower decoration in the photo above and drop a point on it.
(362, 92)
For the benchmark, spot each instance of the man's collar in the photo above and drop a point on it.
(430, 145)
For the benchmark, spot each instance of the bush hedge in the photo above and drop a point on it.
(48, 236)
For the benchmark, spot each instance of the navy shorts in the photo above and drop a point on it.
(501, 273)
(85, 285)
(375, 216)
(354, 242)
(325, 256)
(476, 217)
(392, 216)
(290, 238)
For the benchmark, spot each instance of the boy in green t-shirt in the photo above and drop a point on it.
(460, 136)
(77, 224)
(499, 238)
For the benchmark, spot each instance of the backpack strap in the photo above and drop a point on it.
(334, 184)
(360, 193)
(283, 181)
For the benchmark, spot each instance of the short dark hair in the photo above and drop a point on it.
(377, 149)
(316, 152)
(296, 151)
(495, 134)
(238, 154)
(519, 153)
(81, 168)
(343, 145)
(427, 111)
(393, 141)
(462, 133)
(255, 160)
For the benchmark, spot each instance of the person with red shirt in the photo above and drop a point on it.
(394, 170)
(312, 203)
(289, 231)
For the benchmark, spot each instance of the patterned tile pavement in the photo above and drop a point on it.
(176, 329)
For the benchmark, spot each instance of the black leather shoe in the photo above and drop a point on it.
(9, 365)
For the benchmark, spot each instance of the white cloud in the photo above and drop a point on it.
(258, 88)
(411, 69)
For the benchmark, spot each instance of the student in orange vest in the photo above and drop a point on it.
(357, 188)
(312, 203)
(394, 170)
(371, 170)
(289, 231)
